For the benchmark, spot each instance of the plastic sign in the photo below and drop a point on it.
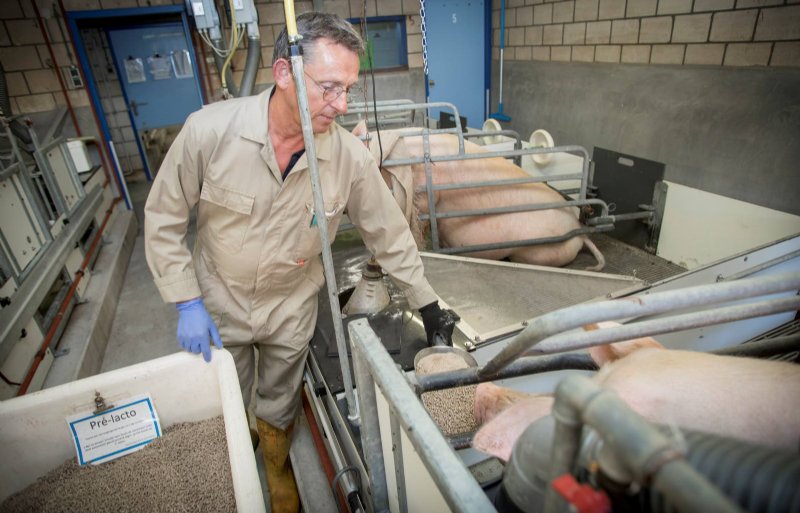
(120, 430)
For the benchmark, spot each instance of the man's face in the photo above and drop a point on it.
(332, 68)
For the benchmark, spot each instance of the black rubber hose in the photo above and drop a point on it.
(759, 479)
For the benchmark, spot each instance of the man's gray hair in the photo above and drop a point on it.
(317, 25)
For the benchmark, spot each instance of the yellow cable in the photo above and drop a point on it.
(234, 44)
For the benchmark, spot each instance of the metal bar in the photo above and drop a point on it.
(648, 454)
(322, 223)
(490, 154)
(633, 216)
(371, 443)
(33, 290)
(573, 341)
(495, 183)
(523, 366)
(647, 304)
(517, 208)
(763, 348)
(460, 490)
(765, 265)
(399, 471)
(527, 242)
(429, 186)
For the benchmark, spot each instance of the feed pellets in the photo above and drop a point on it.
(186, 470)
(452, 408)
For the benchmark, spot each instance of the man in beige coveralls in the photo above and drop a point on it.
(253, 277)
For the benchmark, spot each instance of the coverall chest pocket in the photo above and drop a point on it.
(308, 242)
(225, 214)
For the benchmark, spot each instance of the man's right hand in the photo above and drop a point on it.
(195, 327)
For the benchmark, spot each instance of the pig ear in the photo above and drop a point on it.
(360, 130)
(611, 352)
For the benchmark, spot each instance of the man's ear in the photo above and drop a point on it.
(282, 73)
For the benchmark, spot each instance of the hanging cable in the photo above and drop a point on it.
(371, 72)
(234, 45)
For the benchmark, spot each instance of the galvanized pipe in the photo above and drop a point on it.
(370, 432)
(494, 183)
(459, 489)
(319, 208)
(580, 340)
(526, 242)
(647, 453)
(517, 208)
(648, 304)
(426, 149)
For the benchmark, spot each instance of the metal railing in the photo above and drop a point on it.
(373, 366)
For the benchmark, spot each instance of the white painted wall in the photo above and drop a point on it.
(700, 227)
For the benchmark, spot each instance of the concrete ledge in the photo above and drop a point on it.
(84, 341)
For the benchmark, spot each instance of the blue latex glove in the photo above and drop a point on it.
(195, 326)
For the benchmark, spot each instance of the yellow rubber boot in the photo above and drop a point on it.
(275, 445)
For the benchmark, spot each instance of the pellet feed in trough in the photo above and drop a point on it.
(186, 470)
(451, 408)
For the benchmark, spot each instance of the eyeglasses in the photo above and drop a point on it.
(330, 93)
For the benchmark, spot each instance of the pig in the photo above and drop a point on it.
(743, 398)
(486, 229)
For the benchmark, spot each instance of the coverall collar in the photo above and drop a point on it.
(255, 127)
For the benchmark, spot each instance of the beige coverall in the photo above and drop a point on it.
(256, 259)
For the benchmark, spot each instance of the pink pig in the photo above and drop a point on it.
(466, 231)
(745, 398)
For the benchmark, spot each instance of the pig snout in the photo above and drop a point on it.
(491, 399)
(607, 353)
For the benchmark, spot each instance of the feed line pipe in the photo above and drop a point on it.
(650, 455)
(528, 365)
(296, 53)
(635, 306)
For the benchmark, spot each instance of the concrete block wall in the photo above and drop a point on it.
(657, 32)
(34, 87)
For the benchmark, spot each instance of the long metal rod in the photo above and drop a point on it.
(371, 433)
(573, 341)
(636, 306)
(496, 183)
(760, 267)
(518, 208)
(459, 489)
(649, 454)
(426, 153)
(319, 208)
(526, 242)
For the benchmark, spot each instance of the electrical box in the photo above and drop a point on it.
(204, 14)
(72, 76)
(80, 156)
(245, 12)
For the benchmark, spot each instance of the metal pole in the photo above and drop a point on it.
(457, 485)
(636, 306)
(319, 207)
(564, 342)
(370, 432)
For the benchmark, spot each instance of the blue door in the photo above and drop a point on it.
(457, 60)
(158, 73)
